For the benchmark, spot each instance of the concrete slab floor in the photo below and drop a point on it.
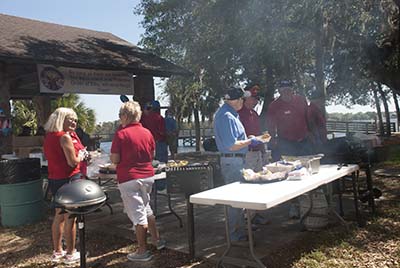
(209, 226)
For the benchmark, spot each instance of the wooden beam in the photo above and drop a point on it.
(5, 136)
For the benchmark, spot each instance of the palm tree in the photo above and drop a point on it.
(86, 116)
(24, 114)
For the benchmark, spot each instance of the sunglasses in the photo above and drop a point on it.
(73, 120)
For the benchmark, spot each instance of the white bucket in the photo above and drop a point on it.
(314, 210)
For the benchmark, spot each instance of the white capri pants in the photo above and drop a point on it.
(135, 195)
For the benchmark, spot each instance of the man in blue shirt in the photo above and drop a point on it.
(172, 133)
(233, 143)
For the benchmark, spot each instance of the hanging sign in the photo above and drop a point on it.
(76, 80)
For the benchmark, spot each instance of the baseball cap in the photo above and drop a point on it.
(155, 104)
(235, 93)
(285, 83)
(254, 90)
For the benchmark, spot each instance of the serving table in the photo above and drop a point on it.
(263, 196)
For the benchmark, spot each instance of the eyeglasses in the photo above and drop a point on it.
(73, 120)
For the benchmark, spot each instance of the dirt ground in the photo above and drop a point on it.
(376, 245)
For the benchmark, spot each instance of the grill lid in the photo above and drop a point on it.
(80, 193)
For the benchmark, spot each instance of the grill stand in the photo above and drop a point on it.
(82, 244)
(171, 211)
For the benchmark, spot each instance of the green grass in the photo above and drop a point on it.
(376, 245)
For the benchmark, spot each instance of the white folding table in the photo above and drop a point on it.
(263, 196)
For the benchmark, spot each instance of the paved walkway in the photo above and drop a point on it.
(209, 226)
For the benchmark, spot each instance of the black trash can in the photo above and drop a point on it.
(21, 191)
(19, 170)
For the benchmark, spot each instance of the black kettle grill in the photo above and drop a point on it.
(80, 197)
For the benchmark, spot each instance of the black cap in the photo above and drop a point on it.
(285, 83)
(235, 93)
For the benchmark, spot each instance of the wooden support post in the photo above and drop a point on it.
(5, 117)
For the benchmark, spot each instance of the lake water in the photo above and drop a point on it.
(106, 147)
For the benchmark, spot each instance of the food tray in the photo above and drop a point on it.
(264, 178)
(261, 181)
(310, 162)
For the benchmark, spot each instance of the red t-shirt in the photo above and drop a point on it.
(79, 146)
(135, 146)
(156, 124)
(58, 167)
(250, 120)
(288, 119)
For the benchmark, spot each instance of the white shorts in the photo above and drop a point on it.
(135, 195)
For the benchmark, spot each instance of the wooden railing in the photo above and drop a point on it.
(188, 136)
(353, 127)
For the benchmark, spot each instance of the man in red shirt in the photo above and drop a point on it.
(256, 156)
(251, 122)
(287, 123)
(153, 121)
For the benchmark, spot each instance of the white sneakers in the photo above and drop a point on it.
(57, 256)
(146, 256)
(64, 257)
(72, 258)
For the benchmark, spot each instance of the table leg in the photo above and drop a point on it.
(155, 193)
(371, 200)
(228, 239)
(173, 212)
(251, 240)
(354, 180)
(190, 227)
(332, 209)
(236, 261)
(340, 195)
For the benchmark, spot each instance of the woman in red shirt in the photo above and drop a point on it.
(63, 165)
(132, 151)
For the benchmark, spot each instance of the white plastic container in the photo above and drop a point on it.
(37, 155)
(9, 156)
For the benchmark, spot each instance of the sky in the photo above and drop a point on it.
(113, 16)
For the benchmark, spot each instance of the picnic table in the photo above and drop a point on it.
(263, 196)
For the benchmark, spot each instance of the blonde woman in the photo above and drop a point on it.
(132, 151)
(63, 166)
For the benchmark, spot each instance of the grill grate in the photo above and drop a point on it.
(190, 179)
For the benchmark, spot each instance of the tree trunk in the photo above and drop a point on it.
(197, 128)
(319, 62)
(386, 106)
(268, 96)
(396, 104)
(379, 112)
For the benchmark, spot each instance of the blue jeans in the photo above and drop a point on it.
(161, 151)
(230, 169)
